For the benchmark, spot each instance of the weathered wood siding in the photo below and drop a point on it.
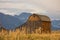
(37, 24)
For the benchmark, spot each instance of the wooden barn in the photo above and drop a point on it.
(36, 24)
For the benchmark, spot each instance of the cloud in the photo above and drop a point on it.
(45, 7)
(15, 11)
(49, 4)
(7, 12)
(20, 7)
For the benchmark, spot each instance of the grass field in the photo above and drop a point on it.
(55, 35)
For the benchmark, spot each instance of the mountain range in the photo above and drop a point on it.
(11, 22)
(55, 24)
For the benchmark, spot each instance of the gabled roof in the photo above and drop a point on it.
(44, 18)
(34, 17)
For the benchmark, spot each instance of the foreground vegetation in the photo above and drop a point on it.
(55, 35)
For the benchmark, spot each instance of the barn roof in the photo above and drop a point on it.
(44, 18)
(36, 17)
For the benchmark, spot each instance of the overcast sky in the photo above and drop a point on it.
(50, 8)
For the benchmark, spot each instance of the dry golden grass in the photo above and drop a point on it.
(55, 35)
